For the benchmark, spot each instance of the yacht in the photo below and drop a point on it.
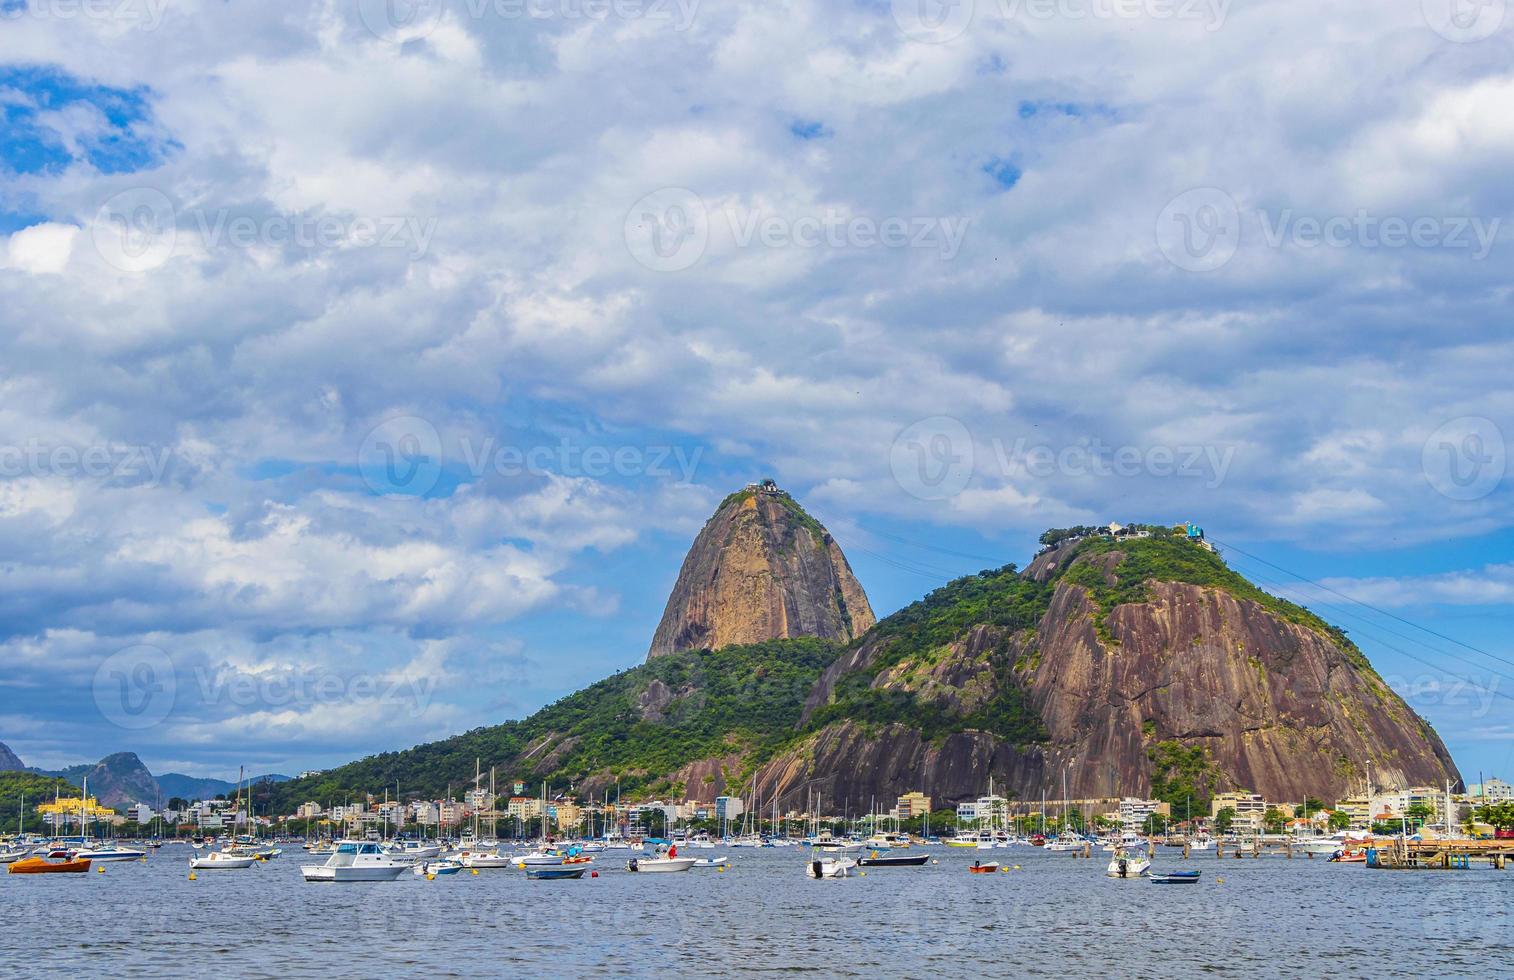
(103, 854)
(221, 861)
(355, 860)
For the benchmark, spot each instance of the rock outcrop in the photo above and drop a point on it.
(761, 569)
(9, 762)
(1274, 701)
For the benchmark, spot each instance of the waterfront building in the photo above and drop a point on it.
(728, 808)
(1250, 809)
(308, 810)
(912, 805)
(1133, 812)
(524, 808)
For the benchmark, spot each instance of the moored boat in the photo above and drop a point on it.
(876, 860)
(1175, 878)
(1124, 865)
(657, 864)
(221, 861)
(355, 861)
(553, 874)
(40, 866)
(979, 868)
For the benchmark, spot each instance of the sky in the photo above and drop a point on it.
(366, 368)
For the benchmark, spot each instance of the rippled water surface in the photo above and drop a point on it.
(1056, 915)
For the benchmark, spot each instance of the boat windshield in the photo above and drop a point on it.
(347, 849)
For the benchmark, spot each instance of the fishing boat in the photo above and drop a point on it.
(221, 861)
(355, 860)
(12, 856)
(1175, 878)
(829, 867)
(656, 864)
(553, 874)
(979, 868)
(876, 860)
(41, 866)
(432, 869)
(1124, 865)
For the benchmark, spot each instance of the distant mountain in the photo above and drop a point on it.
(9, 762)
(116, 780)
(203, 787)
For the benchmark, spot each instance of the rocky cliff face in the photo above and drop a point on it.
(8, 760)
(761, 569)
(1250, 692)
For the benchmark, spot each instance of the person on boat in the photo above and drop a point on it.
(672, 851)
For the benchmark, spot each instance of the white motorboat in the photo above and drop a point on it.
(104, 854)
(1201, 844)
(487, 859)
(536, 859)
(714, 862)
(825, 867)
(1124, 865)
(659, 864)
(1324, 845)
(12, 856)
(218, 861)
(355, 860)
(419, 850)
(437, 867)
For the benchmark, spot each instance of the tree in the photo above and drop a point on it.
(1272, 820)
(1154, 824)
(1225, 819)
(1340, 820)
(1312, 805)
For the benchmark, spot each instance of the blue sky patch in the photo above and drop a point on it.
(1004, 173)
(809, 130)
(53, 120)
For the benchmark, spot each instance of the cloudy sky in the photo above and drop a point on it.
(366, 367)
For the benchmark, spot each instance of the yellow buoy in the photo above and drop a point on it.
(862, 874)
(721, 869)
(192, 876)
(430, 877)
(101, 869)
(474, 870)
(1017, 867)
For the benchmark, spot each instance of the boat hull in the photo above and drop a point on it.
(659, 865)
(222, 863)
(321, 873)
(893, 861)
(554, 874)
(41, 866)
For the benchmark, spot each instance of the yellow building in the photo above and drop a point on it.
(567, 815)
(67, 811)
(911, 805)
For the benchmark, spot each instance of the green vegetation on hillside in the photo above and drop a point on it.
(1183, 776)
(745, 698)
(37, 789)
(998, 597)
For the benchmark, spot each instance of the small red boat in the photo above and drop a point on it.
(42, 866)
(984, 869)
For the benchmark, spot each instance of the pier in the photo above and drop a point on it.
(1397, 854)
